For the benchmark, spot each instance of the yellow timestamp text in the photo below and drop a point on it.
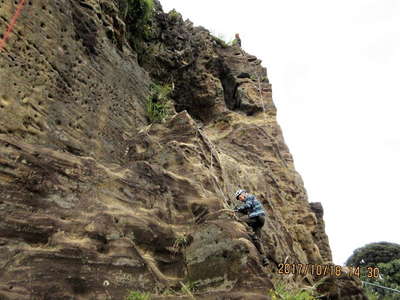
(327, 270)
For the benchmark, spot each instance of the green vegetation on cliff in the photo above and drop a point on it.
(134, 295)
(158, 103)
(283, 292)
(137, 15)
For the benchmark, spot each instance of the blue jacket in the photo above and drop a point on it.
(252, 206)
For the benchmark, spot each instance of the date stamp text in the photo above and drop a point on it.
(327, 270)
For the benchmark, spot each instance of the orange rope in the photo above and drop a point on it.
(12, 24)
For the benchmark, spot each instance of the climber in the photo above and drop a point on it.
(255, 218)
(237, 40)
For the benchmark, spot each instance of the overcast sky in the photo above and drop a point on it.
(335, 70)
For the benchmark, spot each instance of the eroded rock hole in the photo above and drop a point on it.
(78, 285)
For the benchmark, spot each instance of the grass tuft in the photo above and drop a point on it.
(282, 292)
(158, 104)
(134, 295)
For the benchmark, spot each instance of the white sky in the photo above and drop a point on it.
(335, 70)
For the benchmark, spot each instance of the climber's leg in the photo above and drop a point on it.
(257, 240)
(256, 224)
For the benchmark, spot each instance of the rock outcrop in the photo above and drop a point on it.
(95, 201)
(320, 237)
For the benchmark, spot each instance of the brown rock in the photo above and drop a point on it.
(95, 202)
(343, 287)
(319, 235)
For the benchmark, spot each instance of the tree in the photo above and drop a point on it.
(374, 253)
(384, 258)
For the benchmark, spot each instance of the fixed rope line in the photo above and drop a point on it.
(382, 287)
(259, 84)
(10, 26)
(259, 90)
(213, 150)
(262, 98)
(274, 142)
(278, 152)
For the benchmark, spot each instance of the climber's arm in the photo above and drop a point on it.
(246, 206)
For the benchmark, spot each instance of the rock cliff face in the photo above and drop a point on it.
(95, 201)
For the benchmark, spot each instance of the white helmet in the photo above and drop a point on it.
(238, 193)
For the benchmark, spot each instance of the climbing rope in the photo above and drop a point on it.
(262, 98)
(262, 130)
(10, 27)
(259, 85)
(382, 287)
(275, 143)
(213, 149)
(214, 152)
(227, 211)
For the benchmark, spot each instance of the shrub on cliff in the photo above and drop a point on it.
(158, 103)
(137, 15)
(174, 15)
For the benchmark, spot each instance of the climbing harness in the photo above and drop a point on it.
(10, 26)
